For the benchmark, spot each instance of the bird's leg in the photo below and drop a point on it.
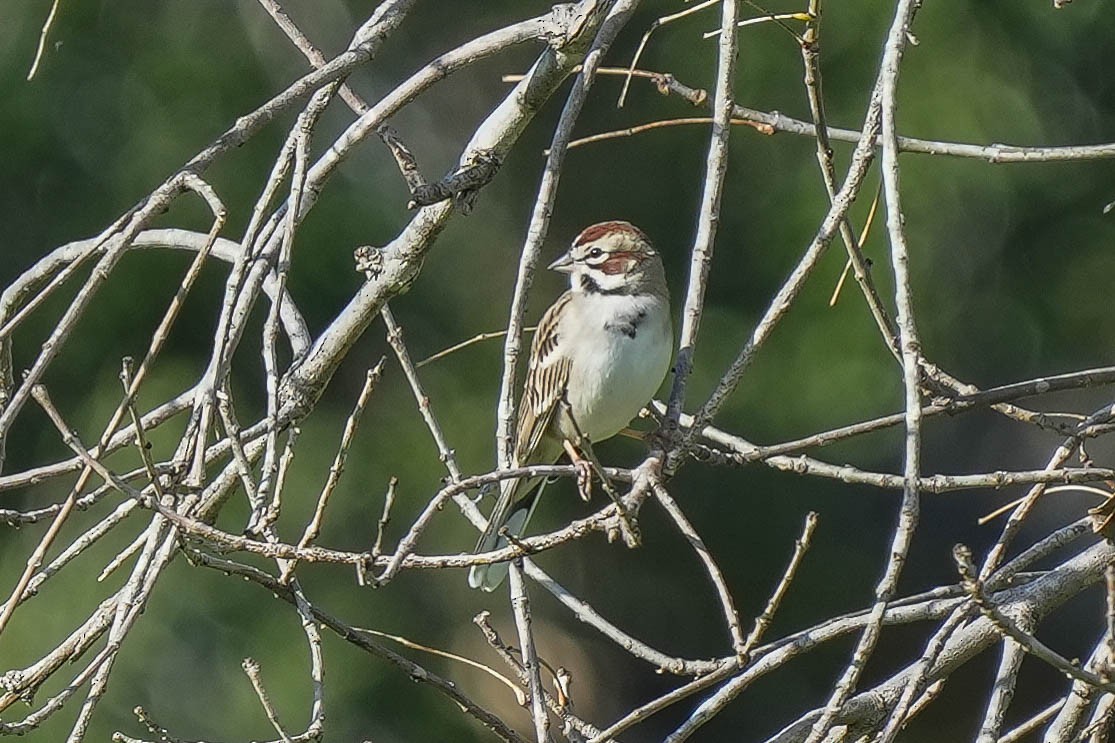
(628, 528)
(584, 470)
(584, 459)
(573, 447)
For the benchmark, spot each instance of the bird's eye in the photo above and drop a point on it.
(595, 253)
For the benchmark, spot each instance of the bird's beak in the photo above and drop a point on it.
(563, 264)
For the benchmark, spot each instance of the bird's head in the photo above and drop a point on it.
(612, 258)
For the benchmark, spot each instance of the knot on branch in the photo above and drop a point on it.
(569, 21)
(12, 682)
(297, 397)
(369, 261)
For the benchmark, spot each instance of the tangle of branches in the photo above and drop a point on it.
(218, 459)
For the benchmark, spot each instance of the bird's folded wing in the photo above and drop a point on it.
(547, 378)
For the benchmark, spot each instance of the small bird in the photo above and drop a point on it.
(598, 356)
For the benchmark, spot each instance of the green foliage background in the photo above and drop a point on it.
(1012, 265)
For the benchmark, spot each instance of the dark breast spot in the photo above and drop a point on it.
(627, 328)
(627, 324)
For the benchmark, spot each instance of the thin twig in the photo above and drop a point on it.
(789, 291)
(810, 54)
(365, 642)
(763, 19)
(520, 605)
(1024, 729)
(142, 444)
(466, 343)
(700, 261)
(385, 517)
(910, 348)
(991, 153)
(264, 513)
(558, 703)
(395, 339)
(862, 239)
(662, 21)
(35, 561)
(300, 40)
(585, 613)
(727, 605)
(313, 528)
(233, 435)
(451, 656)
(251, 668)
(801, 546)
(42, 40)
(996, 554)
(122, 557)
(652, 125)
(643, 712)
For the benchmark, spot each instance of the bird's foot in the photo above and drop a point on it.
(584, 478)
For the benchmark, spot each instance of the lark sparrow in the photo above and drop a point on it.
(599, 354)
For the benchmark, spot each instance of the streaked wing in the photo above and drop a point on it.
(545, 384)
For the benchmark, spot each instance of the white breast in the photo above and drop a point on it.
(616, 374)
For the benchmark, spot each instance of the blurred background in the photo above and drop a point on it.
(1011, 266)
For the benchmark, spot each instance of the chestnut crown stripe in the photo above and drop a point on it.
(597, 231)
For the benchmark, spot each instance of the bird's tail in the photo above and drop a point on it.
(513, 510)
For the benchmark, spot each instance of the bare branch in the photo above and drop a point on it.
(701, 256)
